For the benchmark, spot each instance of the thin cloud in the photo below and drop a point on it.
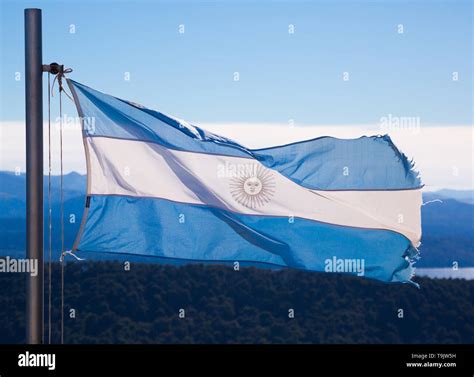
(443, 154)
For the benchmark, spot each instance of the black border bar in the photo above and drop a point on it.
(241, 360)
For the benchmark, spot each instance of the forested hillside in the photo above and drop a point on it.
(221, 305)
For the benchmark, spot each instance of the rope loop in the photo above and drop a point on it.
(59, 78)
(59, 72)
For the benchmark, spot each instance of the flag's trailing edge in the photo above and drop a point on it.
(158, 186)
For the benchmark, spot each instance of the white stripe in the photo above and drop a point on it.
(141, 169)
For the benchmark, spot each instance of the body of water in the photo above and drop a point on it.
(446, 273)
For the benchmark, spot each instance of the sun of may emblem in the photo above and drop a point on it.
(252, 186)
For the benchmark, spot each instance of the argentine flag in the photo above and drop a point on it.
(159, 186)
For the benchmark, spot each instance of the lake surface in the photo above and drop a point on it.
(446, 273)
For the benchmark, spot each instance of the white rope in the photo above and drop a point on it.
(62, 211)
(50, 235)
(58, 77)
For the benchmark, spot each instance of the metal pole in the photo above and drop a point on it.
(34, 172)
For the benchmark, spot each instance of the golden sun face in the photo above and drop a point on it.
(254, 187)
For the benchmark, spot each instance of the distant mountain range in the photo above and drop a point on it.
(463, 196)
(448, 220)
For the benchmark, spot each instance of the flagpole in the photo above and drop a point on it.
(34, 173)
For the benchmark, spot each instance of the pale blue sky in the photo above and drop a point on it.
(282, 76)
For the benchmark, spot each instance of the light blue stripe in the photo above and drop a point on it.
(326, 163)
(112, 117)
(161, 228)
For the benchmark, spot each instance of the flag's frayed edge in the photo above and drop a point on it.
(406, 271)
(409, 164)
